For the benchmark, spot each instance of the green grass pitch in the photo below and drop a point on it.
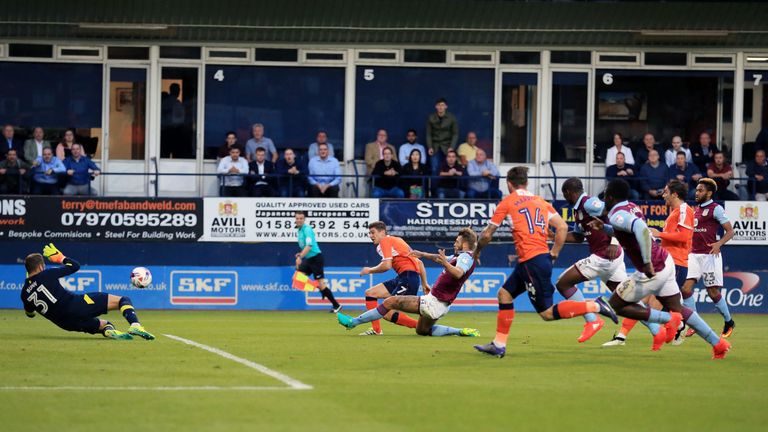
(398, 382)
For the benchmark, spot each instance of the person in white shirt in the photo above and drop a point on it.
(670, 156)
(618, 146)
(230, 166)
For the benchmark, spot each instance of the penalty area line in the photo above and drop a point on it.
(285, 379)
(135, 388)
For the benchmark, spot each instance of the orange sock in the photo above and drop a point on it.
(503, 323)
(568, 309)
(404, 320)
(372, 303)
(627, 325)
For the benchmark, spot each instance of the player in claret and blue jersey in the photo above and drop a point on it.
(42, 293)
(655, 273)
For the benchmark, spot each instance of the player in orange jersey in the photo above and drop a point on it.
(395, 254)
(531, 217)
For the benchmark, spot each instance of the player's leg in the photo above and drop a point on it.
(720, 346)
(627, 295)
(713, 282)
(693, 275)
(394, 303)
(409, 284)
(372, 296)
(512, 287)
(430, 310)
(316, 265)
(566, 286)
(125, 306)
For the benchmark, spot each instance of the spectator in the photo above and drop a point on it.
(261, 171)
(233, 169)
(260, 141)
(721, 173)
(64, 149)
(9, 142)
(467, 150)
(47, 169)
(451, 185)
(442, 134)
(293, 176)
(415, 186)
(407, 148)
(324, 174)
(670, 156)
(685, 172)
(321, 138)
(653, 176)
(81, 170)
(757, 171)
(649, 143)
(618, 147)
(386, 176)
(13, 173)
(484, 177)
(231, 141)
(703, 152)
(34, 146)
(374, 151)
(625, 171)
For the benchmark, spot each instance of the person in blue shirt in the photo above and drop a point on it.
(686, 172)
(80, 168)
(485, 183)
(47, 169)
(654, 175)
(410, 144)
(324, 174)
(321, 138)
(310, 260)
(260, 141)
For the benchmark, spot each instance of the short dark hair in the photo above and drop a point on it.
(33, 261)
(708, 183)
(389, 149)
(518, 176)
(301, 212)
(678, 188)
(680, 153)
(717, 152)
(573, 184)
(378, 226)
(230, 133)
(621, 153)
(261, 149)
(234, 147)
(411, 130)
(441, 100)
(469, 236)
(618, 189)
(321, 144)
(450, 151)
(415, 151)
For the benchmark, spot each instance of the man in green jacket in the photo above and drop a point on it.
(442, 134)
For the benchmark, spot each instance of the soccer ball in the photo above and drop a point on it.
(141, 277)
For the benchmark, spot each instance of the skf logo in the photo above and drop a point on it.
(748, 211)
(203, 287)
(480, 289)
(227, 208)
(82, 281)
(348, 287)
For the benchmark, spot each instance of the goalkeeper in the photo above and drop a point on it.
(43, 294)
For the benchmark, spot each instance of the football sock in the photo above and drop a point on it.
(373, 303)
(689, 302)
(503, 322)
(441, 330)
(578, 296)
(568, 309)
(627, 325)
(404, 320)
(370, 315)
(653, 327)
(722, 307)
(126, 308)
(660, 317)
(703, 329)
(329, 295)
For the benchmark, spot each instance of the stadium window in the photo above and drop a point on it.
(30, 50)
(520, 57)
(127, 53)
(178, 112)
(180, 52)
(569, 117)
(127, 113)
(570, 57)
(424, 56)
(666, 59)
(276, 54)
(518, 117)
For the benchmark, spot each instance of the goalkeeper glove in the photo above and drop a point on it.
(54, 255)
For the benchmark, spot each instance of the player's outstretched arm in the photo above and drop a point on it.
(485, 238)
(561, 232)
(383, 266)
(423, 275)
(54, 255)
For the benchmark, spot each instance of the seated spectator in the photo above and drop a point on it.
(685, 172)
(654, 175)
(13, 173)
(46, 172)
(722, 173)
(233, 168)
(64, 149)
(9, 142)
(260, 141)
(484, 177)
(649, 143)
(386, 177)
(757, 171)
(467, 150)
(703, 152)
(452, 173)
(321, 138)
(416, 185)
(624, 171)
(293, 176)
(618, 147)
(324, 174)
(231, 141)
(81, 170)
(34, 146)
(374, 151)
(670, 156)
(261, 171)
(408, 147)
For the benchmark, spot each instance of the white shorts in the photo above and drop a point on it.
(431, 307)
(593, 267)
(706, 266)
(638, 286)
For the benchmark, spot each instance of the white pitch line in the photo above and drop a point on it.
(292, 383)
(133, 388)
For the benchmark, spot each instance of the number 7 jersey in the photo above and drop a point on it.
(529, 216)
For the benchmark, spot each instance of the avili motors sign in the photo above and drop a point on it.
(749, 220)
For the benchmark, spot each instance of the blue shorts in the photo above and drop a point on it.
(535, 277)
(680, 275)
(406, 283)
(82, 311)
